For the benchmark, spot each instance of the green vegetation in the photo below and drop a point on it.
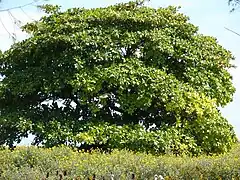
(117, 65)
(111, 68)
(133, 91)
(37, 163)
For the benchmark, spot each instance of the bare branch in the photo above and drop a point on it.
(232, 31)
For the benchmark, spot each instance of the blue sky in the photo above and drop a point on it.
(210, 16)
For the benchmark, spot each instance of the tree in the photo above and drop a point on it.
(91, 75)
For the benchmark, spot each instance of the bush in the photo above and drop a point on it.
(39, 163)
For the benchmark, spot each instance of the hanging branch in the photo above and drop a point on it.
(22, 6)
(15, 20)
(9, 33)
(235, 4)
(232, 31)
(27, 14)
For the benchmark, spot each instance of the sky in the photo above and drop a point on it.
(211, 16)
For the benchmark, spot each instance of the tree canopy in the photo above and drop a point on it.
(122, 76)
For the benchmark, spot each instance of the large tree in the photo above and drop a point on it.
(91, 75)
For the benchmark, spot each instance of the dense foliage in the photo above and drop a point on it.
(91, 75)
(37, 163)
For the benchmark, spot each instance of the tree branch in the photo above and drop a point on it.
(232, 31)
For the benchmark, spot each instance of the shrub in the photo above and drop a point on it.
(39, 163)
